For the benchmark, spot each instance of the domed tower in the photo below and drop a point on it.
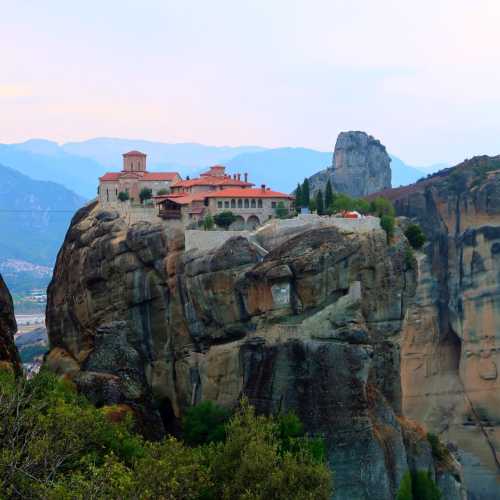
(134, 161)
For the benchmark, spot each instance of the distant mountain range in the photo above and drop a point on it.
(34, 217)
(77, 165)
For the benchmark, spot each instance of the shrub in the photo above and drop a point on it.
(225, 219)
(382, 206)
(123, 196)
(409, 258)
(281, 211)
(439, 451)
(320, 206)
(162, 191)
(418, 486)
(387, 222)
(208, 222)
(204, 423)
(145, 194)
(250, 463)
(415, 235)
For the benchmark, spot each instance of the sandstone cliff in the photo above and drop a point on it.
(8, 327)
(360, 166)
(310, 326)
(450, 343)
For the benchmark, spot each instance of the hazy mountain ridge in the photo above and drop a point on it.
(77, 165)
(34, 217)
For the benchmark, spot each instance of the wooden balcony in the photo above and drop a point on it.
(169, 214)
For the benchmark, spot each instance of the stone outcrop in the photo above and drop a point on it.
(310, 325)
(9, 357)
(450, 344)
(360, 166)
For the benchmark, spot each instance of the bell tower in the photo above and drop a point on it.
(134, 161)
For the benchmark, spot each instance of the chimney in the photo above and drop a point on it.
(234, 176)
(263, 187)
(239, 175)
(246, 176)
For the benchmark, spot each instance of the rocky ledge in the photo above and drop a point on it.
(8, 353)
(304, 320)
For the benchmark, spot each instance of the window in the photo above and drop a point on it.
(219, 204)
(246, 203)
(107, 194)
(233, 203)
(98, 189)
(273, 204)
(226, 204)
(116, 192)
(253, 202)
(259, 203)
(240, 203)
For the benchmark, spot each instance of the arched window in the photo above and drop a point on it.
(246, 203)
(107, 194)
(240, 203)
(253, 202)
(259, 203)
(233, 203)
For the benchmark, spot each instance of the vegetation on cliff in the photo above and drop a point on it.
(55, 445)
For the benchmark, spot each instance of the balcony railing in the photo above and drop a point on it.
(169, 213)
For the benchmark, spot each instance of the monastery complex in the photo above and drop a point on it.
(190, 200)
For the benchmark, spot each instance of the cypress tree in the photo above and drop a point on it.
(328, 195)
(305, 193)
(298, 196)
(320, 207)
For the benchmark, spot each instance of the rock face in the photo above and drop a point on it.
(360, 166)
(450, 342)
(8, 353)
(310, 327)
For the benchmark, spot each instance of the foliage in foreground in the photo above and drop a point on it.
(55, 445)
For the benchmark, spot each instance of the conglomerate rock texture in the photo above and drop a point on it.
(360, 166)
(9, 356)
(311, 327)
(451, 339)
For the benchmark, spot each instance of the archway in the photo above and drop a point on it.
(252, 222)
(238, 224)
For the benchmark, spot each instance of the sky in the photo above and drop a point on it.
(421, 76)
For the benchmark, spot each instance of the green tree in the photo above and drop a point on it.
(424, 487)
(305, 193)
(382, 206)
(387, 222)
(320, 207)
(415, 235)
(225, 219)
(162, 191)
(208, 222)
(312, 205)
(328, 194)
(123, 196)
(298, 196)
(281, 211)
(145, 194)
(204, 423)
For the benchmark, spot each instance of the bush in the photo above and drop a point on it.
(145, 194)
(208, 222)
(225, 219)
(415, 236)
(387, 222)
(162, 191)
(123, 196)
(439, 451)
(251, 463)
(204, 423)
(55, 445)
(418, 486)
(381, 206)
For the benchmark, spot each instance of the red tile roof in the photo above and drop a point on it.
(247, 193)
(146, 176)
(183, 198)
(134, 153)
(212, 181)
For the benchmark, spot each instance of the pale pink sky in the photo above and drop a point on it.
(421, 76)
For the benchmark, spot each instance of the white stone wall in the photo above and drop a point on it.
(207, 240)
